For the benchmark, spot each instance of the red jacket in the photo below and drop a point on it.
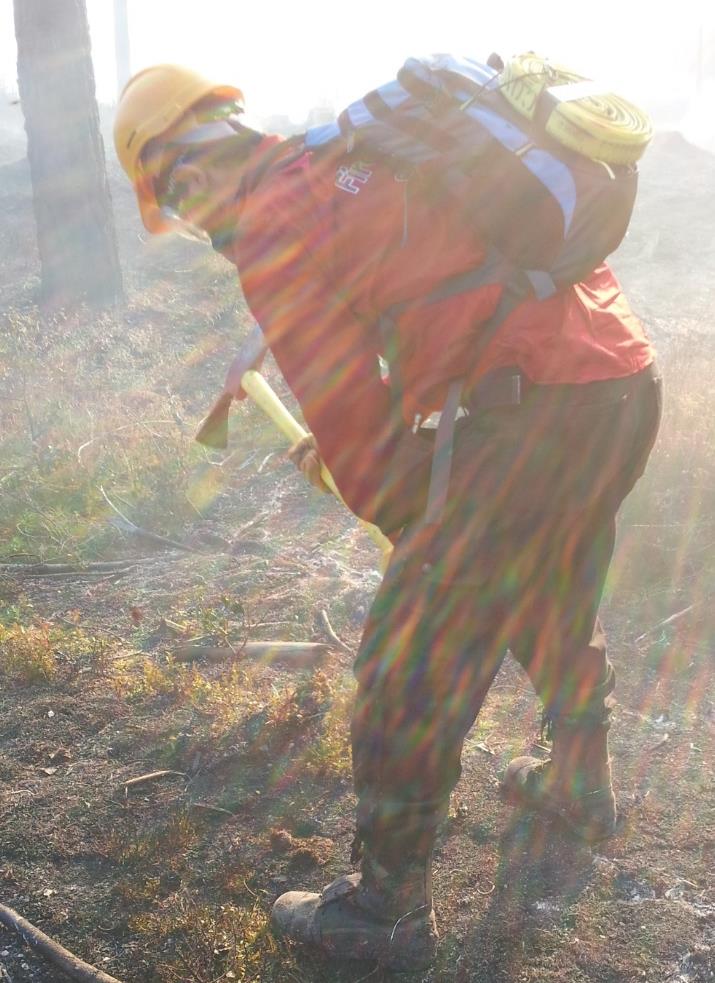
(322, 250)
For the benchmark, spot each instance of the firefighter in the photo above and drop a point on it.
(559, 414)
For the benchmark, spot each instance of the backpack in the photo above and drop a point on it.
(542, 161)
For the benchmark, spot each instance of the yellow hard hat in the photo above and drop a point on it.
(152, 102)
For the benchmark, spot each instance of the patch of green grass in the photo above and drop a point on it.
(98, 401)
(329, 755)
(164, 847)
(36, 653)
(203, 944)
(14, 609)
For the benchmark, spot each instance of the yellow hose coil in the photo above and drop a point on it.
(585, 118)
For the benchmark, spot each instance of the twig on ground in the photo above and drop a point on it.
(126, 525)
(229, 457)
(209, 808)
(261, 517)
(75, 968)
(328, 629)
(660, 743)
(483, 746)
(178, 631)
(51, 569)
(67, 571)
(151, 776)
(265, 461)
(191, 505)
(378, 969)
(666, 621)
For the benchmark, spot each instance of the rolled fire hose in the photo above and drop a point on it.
(582, 115)
(264, 397)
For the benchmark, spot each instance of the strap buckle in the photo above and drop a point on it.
(498, 388)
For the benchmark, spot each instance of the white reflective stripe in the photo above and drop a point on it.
(318, 135)
(360, 115)
(393, 94)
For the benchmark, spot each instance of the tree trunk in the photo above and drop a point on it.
(121, 44)
(73, 209)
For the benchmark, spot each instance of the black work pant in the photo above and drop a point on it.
(518, 562)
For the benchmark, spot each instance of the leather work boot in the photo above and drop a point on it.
(377, 914)
(574, 784)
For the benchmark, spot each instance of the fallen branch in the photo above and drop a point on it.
(68, 569)
(328, 629)
(126, 525)
(214, 809)
(75, 968)
(666, 621)
(151, 776)
(265, 461)
(299, 654)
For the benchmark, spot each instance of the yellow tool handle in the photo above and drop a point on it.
(262, 394)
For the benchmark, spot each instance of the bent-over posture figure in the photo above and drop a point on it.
(559, 413)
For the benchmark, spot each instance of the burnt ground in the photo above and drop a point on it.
(172, 880)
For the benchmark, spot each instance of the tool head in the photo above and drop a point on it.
(213, 432)
(154, 103)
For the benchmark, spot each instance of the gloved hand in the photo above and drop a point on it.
(307, 459)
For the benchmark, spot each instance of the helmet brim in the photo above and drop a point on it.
(155, 221)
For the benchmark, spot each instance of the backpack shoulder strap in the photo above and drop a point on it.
(518, 285)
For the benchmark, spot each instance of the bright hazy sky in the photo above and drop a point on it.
(288, 55)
